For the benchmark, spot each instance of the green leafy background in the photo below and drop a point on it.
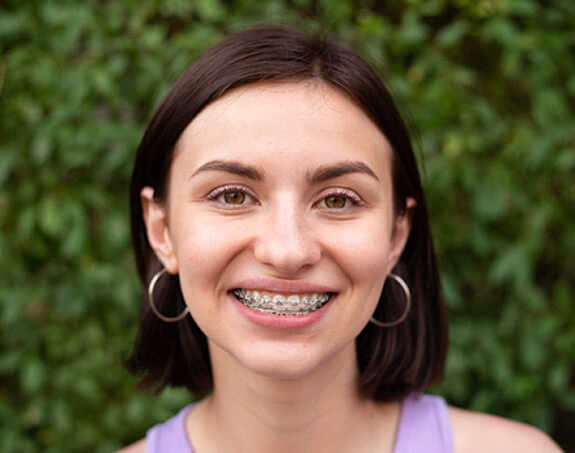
(490, 86)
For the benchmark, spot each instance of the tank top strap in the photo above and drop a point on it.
(170, 436)
(424, 426)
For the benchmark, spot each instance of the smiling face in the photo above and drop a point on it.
(279, 220)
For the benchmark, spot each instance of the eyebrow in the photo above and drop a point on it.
(327, 172)
(232, 167)
(321, 174)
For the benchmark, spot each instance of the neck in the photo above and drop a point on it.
(321, 411)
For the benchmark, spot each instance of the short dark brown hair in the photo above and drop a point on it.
(392, 361)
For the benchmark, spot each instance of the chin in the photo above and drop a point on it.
(283, 370)
(290, 362)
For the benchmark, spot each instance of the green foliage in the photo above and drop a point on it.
(491, 88)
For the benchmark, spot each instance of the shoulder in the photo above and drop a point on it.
(475, 432)
(137, 447)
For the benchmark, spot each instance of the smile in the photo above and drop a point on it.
(283, 305)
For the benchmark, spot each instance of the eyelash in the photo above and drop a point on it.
(216, 193)
(349, 195)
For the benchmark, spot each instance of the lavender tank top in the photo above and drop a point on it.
(423, 428)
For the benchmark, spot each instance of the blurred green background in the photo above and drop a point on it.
(489, 84)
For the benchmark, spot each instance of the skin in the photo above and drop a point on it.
(252, 201)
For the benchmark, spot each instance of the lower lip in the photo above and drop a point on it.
(287, 322)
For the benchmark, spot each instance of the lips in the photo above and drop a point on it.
(295, 304)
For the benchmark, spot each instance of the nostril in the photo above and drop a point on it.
(289, 248)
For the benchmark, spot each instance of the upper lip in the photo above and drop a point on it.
(282, 286)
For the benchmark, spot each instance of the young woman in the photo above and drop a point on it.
(281, 231)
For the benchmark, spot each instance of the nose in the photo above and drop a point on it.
(286, 240)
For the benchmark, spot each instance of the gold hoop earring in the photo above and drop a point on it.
(151, 287)
(407, 293)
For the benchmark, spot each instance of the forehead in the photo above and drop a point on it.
(309, 120)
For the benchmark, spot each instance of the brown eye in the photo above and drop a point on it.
(234, 197)
(335, 201)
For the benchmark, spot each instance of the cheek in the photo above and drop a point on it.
(203, 248)
(363, 252)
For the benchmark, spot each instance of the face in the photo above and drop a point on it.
(279, 220)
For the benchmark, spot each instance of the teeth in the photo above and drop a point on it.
(282, 305)
(279, 302)
(266, 300)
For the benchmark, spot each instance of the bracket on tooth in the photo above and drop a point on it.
(280, 305)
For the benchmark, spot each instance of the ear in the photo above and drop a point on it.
(157, 230)
(400, 234)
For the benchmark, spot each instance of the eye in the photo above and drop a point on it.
(234, 197)
(231, 196)
(339, 199)
(335, 201)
